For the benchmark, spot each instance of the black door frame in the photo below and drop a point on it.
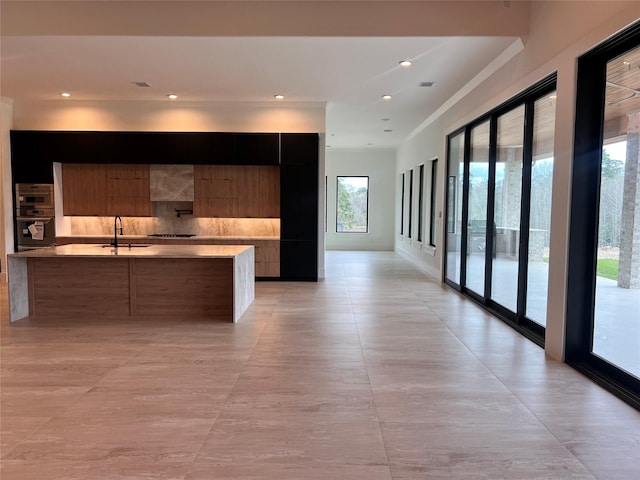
(583, 236)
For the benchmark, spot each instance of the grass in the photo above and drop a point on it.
(608, 268)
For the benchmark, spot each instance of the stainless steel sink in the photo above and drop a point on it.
(125, 245)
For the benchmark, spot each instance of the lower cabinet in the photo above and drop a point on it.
(299, 260)
(267, 255)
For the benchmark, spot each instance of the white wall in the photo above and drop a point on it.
(6, 212)
(427, 146)
(379, 166)
(553, 45)
(67, 114)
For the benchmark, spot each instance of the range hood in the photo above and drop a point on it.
(171, 183)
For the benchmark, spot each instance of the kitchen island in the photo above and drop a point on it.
(164, 281)
(266, 253)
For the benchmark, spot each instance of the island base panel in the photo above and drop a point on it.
(79, 286)
(205, 288)
(129, 287)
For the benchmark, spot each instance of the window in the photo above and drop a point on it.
(410, 203)
(402, 204)
(352, 205)
(432, 213)
(420, 201)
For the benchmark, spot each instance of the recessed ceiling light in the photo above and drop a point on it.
(553, 97)
(172, 96)
(279, 97)
(65, 94)
(386, 97)
(405, 63)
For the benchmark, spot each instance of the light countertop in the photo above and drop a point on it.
(124, 251)
(186, 239)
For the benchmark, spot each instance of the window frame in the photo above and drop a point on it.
(432, 208)
(338, 177)
(420, 202)
(402, 200)
(410, 213)
(584, 218)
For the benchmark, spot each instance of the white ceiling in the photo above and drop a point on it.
(347, 74)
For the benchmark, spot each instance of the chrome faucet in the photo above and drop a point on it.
(115, 230)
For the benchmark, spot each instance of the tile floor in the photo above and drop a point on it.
(376, 372)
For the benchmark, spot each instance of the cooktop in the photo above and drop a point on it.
(170, 235)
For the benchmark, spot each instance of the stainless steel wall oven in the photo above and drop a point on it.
(35, 216)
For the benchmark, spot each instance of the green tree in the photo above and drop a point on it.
(611, 189)
(611, 168)
(346, 214)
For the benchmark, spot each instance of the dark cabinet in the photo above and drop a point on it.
(29, 162)
(299, 206)
(41, 148)
(256, 149)
(299, 260)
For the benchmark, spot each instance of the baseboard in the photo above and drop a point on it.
(420, 265)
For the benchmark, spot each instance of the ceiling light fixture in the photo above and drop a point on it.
(386, 97)
(65, 94)
(279, 97)
(405, 63)
(172, 96)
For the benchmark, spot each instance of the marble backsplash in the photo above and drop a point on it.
(165, 220)
(171, 183)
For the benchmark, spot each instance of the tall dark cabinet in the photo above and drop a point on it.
(299, 206)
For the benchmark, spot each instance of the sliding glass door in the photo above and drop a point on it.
(478, 187)
(506, 216)
(541, 169)
(497, 246)
(455, 174)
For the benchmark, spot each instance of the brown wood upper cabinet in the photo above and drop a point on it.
(106, 189)
(128, 190)
(242, 191)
